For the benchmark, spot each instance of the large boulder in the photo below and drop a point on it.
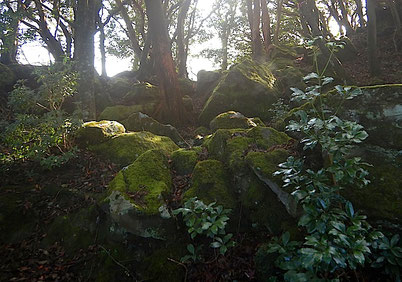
(121, 112)
(136, 194)
(96, 132)
(123, 149)
(232, 119)
(248, 87)
(211, 183)
(142, 122)
(184, 160)
(141, 93)
(379, 110)
(252, 155)
(206, 82)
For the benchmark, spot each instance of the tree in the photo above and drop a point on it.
(9, 22)
(171, 107)
(85, 15)
(374, 64)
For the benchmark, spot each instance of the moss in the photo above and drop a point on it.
(202, 130)
(211, 183)
(382, 198)
(142, 122)
(184, 161)
(266, 137)
(125, 148)
(142, 93)
(267, 162)
(95, 132)
(120, 112)
(262, 207)
(230, 145)
(232, 119)
(144, 181)
(248, 88)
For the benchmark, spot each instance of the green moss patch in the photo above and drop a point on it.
(96, 132)
(144, 181)
(125, 148)
(232, 119)
(248, 87)
(142, 122)
(184, 160)
(120, 112)
(211, 183)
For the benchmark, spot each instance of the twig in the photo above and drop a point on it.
(118, 263)
(181, 264)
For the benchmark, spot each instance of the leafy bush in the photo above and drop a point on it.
(338, 238)
(206, 220)
(41, 131)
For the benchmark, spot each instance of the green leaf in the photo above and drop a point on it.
(285, 238)
(311, 76)
(349, 209)
(190, 248)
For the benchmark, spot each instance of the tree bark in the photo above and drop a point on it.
(278, 21)
(171, 108)
(266, 25)
(374, 64)
(181, 48)
(84, 54)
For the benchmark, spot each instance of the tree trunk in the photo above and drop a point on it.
(266, 25)
(278, 21)
(345, 20)
(181, 48)
(171, 108)
(254, 18)
(374, 64)
(85, 29)
(8, 51)
(102, 48)
(359, 11)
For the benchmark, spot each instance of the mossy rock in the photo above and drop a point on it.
(211, 183)
(187, 86)
(136, 194)
(378, 110)
(120, 113)
(248, 87)
(96, 132)
(142, 122)
(382, 198)
(232, 119)
(230, 145)
(263, 203)
(142, 93)
(202, 130)
(206, 82)
(184, 160)
(123, 149)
